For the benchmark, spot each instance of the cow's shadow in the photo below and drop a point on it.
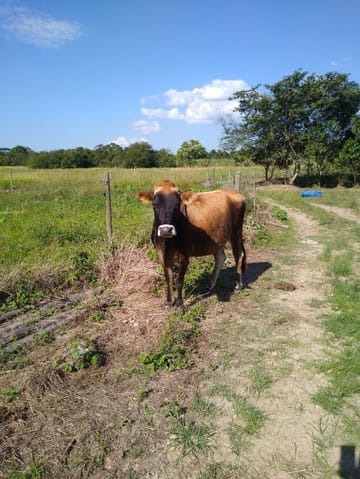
(224, 288)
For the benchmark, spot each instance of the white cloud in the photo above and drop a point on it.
(200, 105)
(162, 113)
(124, 142)
(39, 29)
(146, 127)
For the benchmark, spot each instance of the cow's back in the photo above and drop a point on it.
(212, 218)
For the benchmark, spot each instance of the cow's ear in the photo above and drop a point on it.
(144, 197)
(186, 197)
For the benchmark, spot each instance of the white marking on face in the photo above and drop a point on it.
(166, 231)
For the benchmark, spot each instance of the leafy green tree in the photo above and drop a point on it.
(299, 117)
(349, 157)
(108, 155)
(19, 155)
(165, 159)
(189, 151)
(139, 155)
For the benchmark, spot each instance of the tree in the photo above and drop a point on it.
(189, 151)
(350, 154)
(299, 117)
(139, 155)
(19, 155)
(165, 158)
(108, 155)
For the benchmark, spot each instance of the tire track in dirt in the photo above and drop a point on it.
(345, 213)
(288, 436)
(288, 440)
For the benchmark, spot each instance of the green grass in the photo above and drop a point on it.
(53, 222)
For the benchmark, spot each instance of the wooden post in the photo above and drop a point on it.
(11, 181)
(237, 181)
(108, 211)
(255, 194)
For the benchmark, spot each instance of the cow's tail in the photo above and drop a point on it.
(244, 266)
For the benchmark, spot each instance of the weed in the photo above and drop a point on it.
(97, 317)
(82, 354)
(173, 409)
(279, 214)
(261, 236)
(221, 471)
(192, 437)
(21, 298)
(32, 471)
(238, 440)
(252, 416)
(177, 343)
(19, 362)
(9, 395)
(203, 407)
(260, 379)
(144, 392)
(340, 265)
(43, 338)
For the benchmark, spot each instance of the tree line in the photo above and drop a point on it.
(137, 155)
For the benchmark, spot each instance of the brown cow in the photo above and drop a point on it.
(195, 224)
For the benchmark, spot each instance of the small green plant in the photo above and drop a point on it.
(97, 317)
(192, 437)
(9, 395)
(279, 214)
(84, 267)
(21, 298)
(173, 409)
(203, 407)
(43, 338)
(82, 354)
(143, 393)
(221, 471)
(260, 235)
(32, 471)
(177, 342)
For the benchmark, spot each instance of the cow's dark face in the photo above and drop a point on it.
(166, 205)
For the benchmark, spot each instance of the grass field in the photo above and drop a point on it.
(53, 222)
(260, 384)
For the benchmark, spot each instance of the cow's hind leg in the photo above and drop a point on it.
(219, 261)
(239, 253)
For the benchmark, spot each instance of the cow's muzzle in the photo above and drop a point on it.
(166, 231)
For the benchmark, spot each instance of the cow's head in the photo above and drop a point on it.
(166, 201)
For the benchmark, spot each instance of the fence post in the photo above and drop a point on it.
(11, 181)
(255, 194)
(237, 181)
(108, 211)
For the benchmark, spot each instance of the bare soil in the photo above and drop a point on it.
(116, 421)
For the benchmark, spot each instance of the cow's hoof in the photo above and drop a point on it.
(238, 288)
(166, 305)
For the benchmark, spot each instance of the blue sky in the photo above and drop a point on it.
(83, 73)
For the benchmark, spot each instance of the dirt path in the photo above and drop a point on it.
(288, 338)
(345, 213)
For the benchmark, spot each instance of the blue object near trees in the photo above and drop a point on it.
(311, 193)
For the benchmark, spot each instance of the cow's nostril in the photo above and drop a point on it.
(166, 231)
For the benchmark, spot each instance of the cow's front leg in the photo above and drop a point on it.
(183, 265)
(169, 287)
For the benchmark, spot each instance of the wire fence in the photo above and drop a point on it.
(105, 193)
